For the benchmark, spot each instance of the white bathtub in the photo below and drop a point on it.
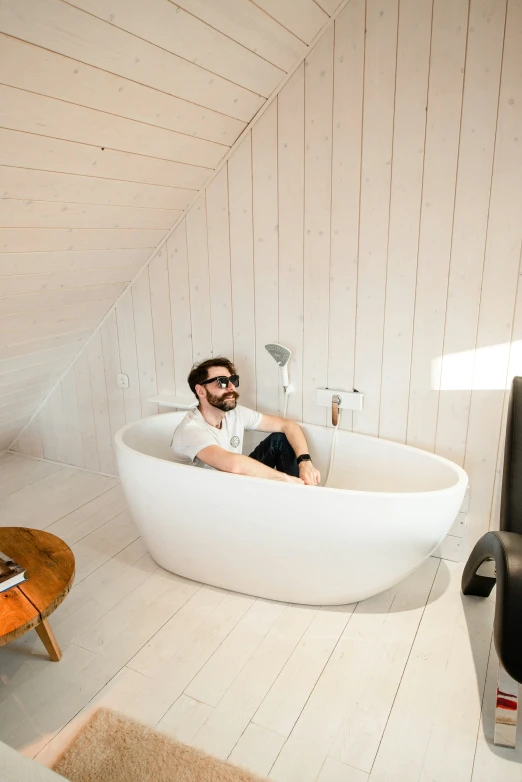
(390, 506)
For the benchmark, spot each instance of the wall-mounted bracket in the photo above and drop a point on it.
(350, 400)
(172, 400)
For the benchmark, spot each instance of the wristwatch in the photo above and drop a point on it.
(305, 457)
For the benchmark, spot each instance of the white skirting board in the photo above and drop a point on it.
(452, 547)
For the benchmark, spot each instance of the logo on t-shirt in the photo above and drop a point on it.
(234, 442)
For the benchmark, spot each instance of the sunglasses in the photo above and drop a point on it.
(223, 381)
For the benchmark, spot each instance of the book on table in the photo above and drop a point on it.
(11, 573)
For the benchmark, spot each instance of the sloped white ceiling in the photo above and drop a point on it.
(113, 114)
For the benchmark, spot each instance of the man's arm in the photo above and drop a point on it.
(236, 463)
(274, 423)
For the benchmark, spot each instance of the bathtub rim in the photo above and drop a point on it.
(462, 475)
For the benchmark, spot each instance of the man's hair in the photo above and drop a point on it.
(198, 373)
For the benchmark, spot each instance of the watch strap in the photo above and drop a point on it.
(305, 457)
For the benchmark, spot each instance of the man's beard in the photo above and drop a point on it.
(222, 403)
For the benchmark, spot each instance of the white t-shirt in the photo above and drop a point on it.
(194, 433)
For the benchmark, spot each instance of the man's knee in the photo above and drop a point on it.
(277, 437)
(278, 441)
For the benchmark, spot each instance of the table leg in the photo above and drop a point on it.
(49, 641)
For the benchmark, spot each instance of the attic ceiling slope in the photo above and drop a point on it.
(113, 115)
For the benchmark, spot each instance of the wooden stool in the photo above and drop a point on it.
(49, 565)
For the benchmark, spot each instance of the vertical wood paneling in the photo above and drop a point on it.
(241, 264)
(477, 139)
(406, 188)
(290, 114)
(40, 421)
(501, 274)
(514, 368)
(219, 265)
(100, 404)
(72, 419)
(30, 441)
(318, 197)
(128, 357)
(161, 322)
(44, 418)
(112, 364)
(54, 432)
(266, 260)
(346, 173)
(9, 431)
(197, 253)
(144, 343)
(180, 307)
(379, 89)
(86, 412)
(448, 46)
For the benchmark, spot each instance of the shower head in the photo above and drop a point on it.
(279, 353)
(282, 357)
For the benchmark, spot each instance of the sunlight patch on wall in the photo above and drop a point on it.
(488, 368)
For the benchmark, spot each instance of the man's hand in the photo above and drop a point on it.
(308, 473)
(290, 479)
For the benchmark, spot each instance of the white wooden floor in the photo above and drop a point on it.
(389, 690)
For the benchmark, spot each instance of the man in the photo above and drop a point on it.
(211, 435)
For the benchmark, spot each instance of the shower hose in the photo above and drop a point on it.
(332, 449)
(334, 438)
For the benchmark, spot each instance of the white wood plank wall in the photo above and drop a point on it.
(112, 117)
(370, 220)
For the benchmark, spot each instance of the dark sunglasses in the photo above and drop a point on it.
(223, 381)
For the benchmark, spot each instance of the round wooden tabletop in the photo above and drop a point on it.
(49, 565)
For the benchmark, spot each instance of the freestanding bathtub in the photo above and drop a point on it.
(389, 507)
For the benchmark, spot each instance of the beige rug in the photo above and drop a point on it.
(114, 748)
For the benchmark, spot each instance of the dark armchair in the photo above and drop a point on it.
(497, 558)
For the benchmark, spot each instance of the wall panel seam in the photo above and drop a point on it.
(453, 219)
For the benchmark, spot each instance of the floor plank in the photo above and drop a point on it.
(103, 589)
(431, 732)
(177, 631)
(370, 704)
(285, 701)
(184, 718)
(16, 472)
(367, 648)
(257, 749)
(35, 694)
(96, 548)
(89, 517)
(334, 771)
(224, 666)
(238, 705)
(48, 500)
